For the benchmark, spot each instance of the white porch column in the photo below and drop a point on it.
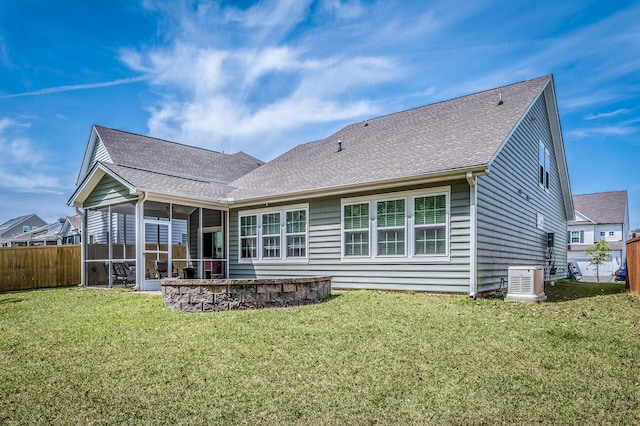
(140, 264)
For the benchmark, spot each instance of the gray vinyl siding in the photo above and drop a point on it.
(17, 229)
(108, 191)
(325, 253)
(99, 154)
(508, 201)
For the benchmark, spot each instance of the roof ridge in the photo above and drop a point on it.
(165, 140)
(446, 100)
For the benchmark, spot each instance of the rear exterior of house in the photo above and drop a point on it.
(491, 218)
(440, 198)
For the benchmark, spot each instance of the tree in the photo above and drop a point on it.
(598, 254)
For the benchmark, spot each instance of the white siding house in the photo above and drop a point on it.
(599, 216)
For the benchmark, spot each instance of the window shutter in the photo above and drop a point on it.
(581, 237)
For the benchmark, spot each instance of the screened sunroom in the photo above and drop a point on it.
(164, 240)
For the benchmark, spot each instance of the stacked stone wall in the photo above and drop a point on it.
(201, 295)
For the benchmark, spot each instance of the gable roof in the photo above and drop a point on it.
(602, 207)
(12, 222)
(146, 164)
(17, 221)
(444, 138)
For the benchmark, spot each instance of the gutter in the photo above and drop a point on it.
(473, 234)
(370, 186)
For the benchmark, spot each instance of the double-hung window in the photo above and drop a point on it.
(412, 226)
(391, 227)
(544, 166)
(576, 237)
(274, 234)
(249, 237)
(296, 233)
(356, 229)
(430, 216)
(270, 235)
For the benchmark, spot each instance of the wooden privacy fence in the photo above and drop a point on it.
(633, 265)
(24, 268)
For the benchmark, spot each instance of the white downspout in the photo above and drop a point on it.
(140, 266)
(83, 250)
(473, 236)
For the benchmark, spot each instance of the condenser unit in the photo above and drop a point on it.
(526, 284)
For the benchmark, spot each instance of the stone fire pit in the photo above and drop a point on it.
(206, 295)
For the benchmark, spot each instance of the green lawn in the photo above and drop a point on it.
(78, 356)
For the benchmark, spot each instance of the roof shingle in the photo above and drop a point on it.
(446, 136)
(602, 207)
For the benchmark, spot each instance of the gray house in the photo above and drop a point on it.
(17, 226)
(440, 198)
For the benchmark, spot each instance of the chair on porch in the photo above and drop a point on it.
(213, 269)
(162, 268)
(120, 273)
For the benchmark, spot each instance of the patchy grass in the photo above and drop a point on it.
(564, 290)
(77, 356)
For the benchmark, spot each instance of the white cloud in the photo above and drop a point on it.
(59, 89)
(22, 164)
(270, 14)
(252, 92)
(344, 9)
(581, 133)
(607, 114)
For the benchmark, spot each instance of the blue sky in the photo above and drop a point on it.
(265, 76)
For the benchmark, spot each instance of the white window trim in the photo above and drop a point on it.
(283, 234)
(409, 237)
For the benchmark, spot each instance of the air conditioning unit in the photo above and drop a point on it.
(526, 284)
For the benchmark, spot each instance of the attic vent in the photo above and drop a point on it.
(339, 146)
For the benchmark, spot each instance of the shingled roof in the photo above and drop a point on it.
(169, 184)
(602, 207)
(158, 155)
(457, 134)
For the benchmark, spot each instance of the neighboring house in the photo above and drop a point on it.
(18, 226)
(47, 235)
(440, 198)
(600, 216)
(71, 232)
